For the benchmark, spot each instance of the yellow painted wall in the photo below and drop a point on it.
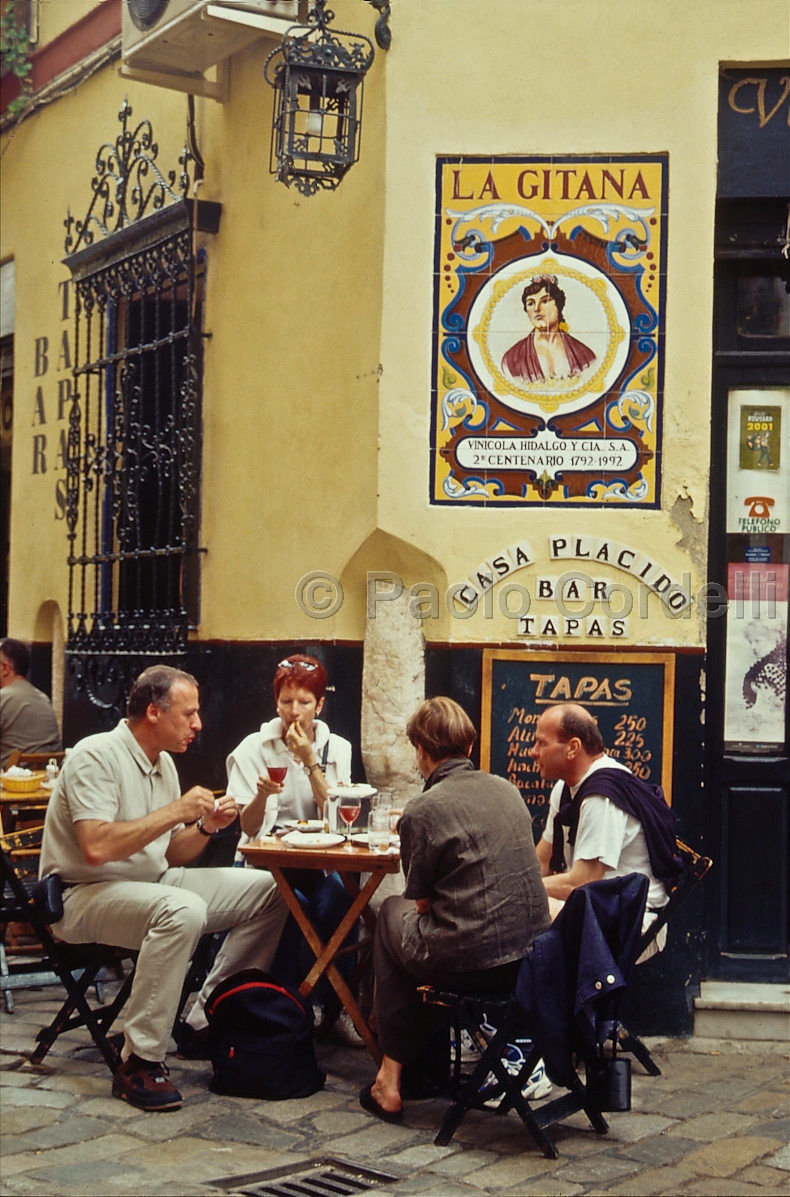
(291, 381)
(313, 458)
(55, 16)
(291, 376)
(529, 78)
(48, 163)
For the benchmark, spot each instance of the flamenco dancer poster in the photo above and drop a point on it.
(548, 330)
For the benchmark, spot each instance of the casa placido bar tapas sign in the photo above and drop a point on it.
(631, 695)
(549, 330)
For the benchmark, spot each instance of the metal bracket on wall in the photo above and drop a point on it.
(383, 32)
(194, 85)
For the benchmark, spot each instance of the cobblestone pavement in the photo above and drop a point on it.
(716, 1122)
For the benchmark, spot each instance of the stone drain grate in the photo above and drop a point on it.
(317, 1178)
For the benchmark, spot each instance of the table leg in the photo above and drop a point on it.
(325, 954)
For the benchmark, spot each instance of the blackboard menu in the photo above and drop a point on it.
(630, 694)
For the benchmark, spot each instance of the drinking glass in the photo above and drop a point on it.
(382, 800)
(349, 812)
(379, 830)
(270, 813)
(277, 773)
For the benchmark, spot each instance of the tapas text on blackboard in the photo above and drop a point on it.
(630, 694)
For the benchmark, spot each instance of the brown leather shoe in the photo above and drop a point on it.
(146, 1085)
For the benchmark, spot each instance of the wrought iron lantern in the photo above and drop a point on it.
(318, 75)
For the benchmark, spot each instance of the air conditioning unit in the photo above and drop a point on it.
(186, 37)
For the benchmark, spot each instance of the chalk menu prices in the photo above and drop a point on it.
(630, 694)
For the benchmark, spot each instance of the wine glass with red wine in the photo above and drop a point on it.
(349, 813)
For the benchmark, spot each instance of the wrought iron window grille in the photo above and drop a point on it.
(134, 441)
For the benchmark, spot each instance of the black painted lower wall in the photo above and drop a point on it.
(236, 697)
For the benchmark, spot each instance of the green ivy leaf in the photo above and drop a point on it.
(15, 53)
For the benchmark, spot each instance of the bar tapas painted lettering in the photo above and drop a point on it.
(51, 405)
(548, 322)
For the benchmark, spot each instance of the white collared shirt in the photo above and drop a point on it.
(267, 747)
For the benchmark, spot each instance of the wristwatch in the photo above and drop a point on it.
(202, 830)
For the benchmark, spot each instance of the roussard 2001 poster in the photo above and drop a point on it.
(550, 279)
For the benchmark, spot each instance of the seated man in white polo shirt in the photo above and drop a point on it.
(119, 833)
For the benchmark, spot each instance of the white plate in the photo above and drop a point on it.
(362, 838)
(304, 824)
(312, 839)
(358, 790)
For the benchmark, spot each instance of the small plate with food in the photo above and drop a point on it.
(313, 839)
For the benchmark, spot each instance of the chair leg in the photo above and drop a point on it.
(634, 1045)
(465, 1100)
(491, 1061)
(96, 1022)
(597, 1120)
(8, 997)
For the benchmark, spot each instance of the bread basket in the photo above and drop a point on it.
(23, 785)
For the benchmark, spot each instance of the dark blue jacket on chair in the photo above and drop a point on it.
(572, 984)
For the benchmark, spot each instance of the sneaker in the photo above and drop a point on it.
(146, 1085)
(537, 1087)
(191, 1044)
(469, 1049)
(344, 1031)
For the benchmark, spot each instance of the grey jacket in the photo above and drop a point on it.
(467, 846)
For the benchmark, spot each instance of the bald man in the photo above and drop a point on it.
(603, 821)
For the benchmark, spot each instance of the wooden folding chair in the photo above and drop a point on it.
(75, 966)
(618, 905)
(695, 868)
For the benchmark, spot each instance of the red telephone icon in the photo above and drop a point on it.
(760, 508)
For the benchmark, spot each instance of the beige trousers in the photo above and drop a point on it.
(164, 920)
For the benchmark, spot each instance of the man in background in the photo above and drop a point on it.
(603, 821)
(27, 720)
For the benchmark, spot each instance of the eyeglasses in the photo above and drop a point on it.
(308, 666)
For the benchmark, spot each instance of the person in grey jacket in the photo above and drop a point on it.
(473, 903)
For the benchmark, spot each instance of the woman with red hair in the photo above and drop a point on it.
(295, 740)
(314, 759)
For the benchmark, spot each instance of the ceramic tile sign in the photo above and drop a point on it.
(548, 330)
